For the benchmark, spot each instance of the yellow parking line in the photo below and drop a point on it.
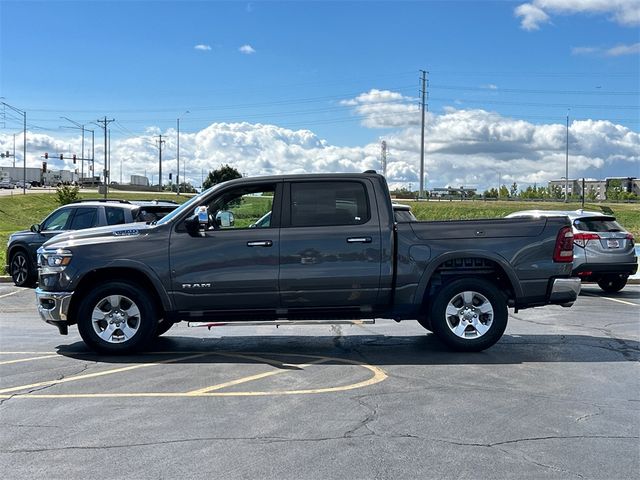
(7, 362)
(96, 374)
(251, 378)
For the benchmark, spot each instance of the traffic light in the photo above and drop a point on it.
(61, 156)
(74, 158)
(44, 167)
(169, 176)
(46, 156)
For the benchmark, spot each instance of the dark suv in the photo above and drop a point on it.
(23, 245)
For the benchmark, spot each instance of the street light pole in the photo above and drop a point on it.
(24, 145)
(178, 154)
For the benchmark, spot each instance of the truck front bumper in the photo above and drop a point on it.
(53, 308)
(564, 291)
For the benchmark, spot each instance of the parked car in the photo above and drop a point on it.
(605, 251)
(7, 184)
(80, 215)
(20, 184)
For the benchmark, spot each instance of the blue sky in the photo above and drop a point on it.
(304, 61)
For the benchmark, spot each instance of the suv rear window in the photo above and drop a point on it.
(598, 224)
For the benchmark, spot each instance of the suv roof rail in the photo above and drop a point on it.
(156, 200)
(104, 200)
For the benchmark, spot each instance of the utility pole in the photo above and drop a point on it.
(104, 123)
(93, 158)
(424, 94)
(160, 142)
(566, 167)
(14, 150)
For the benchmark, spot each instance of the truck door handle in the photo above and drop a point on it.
(260, 243)
(359, 240)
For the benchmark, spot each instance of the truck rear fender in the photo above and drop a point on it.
(138, 274)
(453, 265)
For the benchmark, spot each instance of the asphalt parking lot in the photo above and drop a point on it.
(557, 397)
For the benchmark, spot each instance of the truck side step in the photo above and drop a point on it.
(277, 323)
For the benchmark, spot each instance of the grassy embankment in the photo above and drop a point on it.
(19, 212)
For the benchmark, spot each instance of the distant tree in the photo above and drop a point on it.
(614, 190)
(222, 174)
(67, 194)
(514, 190)
(504, 192)
(491, 193)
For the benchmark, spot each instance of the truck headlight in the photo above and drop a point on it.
(53, 261)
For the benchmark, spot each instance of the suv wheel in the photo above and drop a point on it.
(117, 317)
(21, 271)
(612, 283)
(469, 314)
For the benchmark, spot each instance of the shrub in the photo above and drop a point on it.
(67, 194)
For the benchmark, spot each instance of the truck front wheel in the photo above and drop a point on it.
(117, 317)
(469, 314)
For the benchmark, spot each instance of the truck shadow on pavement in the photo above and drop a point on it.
(373, 349)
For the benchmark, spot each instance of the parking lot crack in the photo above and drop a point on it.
(85, 366)
(372, 415)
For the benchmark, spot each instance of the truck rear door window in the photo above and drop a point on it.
(315, 204)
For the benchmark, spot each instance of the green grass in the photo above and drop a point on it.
(19, 212)
(627, 214)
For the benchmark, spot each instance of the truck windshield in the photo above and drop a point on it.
(186, 206)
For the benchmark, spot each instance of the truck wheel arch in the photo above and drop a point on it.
(158, 295)
(468, 263)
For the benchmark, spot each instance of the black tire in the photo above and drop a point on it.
(612, 283)
(126, 327)
(479, 303)
(21, 269)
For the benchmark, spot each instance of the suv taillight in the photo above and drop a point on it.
(629, 237)
(581, 239)
(563, 251)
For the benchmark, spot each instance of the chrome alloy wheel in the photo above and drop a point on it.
(115, 319)
(19, 268)
(469, 315)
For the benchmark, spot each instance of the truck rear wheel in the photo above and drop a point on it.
(117, 317)
(469, 314)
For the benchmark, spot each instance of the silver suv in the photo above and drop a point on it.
(604, 251)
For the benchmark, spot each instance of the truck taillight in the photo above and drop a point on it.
(563, 251)
(581, 239)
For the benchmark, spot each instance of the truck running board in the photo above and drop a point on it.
(277, 323)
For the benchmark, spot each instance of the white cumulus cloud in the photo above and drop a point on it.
(202, 47)
(462, 147)
(385, 109)
(537, 12)
(247, 49)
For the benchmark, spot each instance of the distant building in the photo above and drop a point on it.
(140, 180)
(597, 187)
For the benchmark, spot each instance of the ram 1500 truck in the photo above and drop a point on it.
(329, 250)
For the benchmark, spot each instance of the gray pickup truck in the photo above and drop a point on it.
(330, 250)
